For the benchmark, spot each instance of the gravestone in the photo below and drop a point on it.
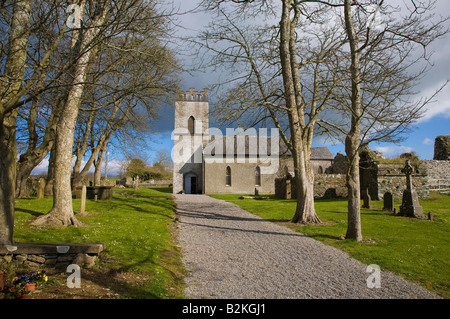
(410, 201)
(366, 199)
(388, 201)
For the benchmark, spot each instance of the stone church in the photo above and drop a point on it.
(205, 162)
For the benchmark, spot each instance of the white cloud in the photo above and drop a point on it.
(115, 167)
(393, 150)
(427, 141)
(440, 106)
(42, 168)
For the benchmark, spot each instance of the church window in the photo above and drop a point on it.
(228, 176)
(257, 176)
(191, 125)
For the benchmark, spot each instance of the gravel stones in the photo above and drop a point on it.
(230, 253)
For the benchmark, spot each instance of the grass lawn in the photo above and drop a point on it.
(136, 228)
(418, 250)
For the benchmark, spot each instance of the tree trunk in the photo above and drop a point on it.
(62, 213)
(27, 162)
(48, 190)
(305, 212)
(353, 136)
(7, 177)
(11, 84)
(98, 167)
(80, 151)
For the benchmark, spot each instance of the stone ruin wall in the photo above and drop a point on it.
(391, 179)
(384, 177)
(438, 173)
(331, 184)
(442, 148)
(325, 186)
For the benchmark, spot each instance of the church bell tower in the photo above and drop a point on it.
(190, 134)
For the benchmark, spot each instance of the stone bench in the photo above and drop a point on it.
(35, 255)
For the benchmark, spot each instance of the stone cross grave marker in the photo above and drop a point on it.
(410, 201)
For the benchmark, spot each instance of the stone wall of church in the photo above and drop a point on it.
(243, 179)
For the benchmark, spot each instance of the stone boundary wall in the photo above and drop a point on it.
(438, 173)
(51, 255)
(325, 186)
(379, 179)
(330, 186)
(391, 179)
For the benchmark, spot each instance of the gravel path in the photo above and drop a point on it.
(231, 253)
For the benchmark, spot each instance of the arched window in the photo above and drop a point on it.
(228, 176)
(191, 125)
(257, 176)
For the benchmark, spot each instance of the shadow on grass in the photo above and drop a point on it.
(322, 237)
(29, 211)
(135, 204)
(123, 281)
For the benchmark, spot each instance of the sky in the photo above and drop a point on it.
(421, 139)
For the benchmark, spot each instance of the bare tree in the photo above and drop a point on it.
(269, 85)
(10, 85)
(124, 93)
(16, 82)
(39, 112)
(103, 22)
(375, 78)
(62, 211)
(379, 102)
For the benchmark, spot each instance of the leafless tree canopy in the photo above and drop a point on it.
(323, 67)
(115, 68)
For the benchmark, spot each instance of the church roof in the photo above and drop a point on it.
(249, 146)
(321, 153)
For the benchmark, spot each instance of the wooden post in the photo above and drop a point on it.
(136, 183)
(41, 188)
(2, 280)
(83, 200)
